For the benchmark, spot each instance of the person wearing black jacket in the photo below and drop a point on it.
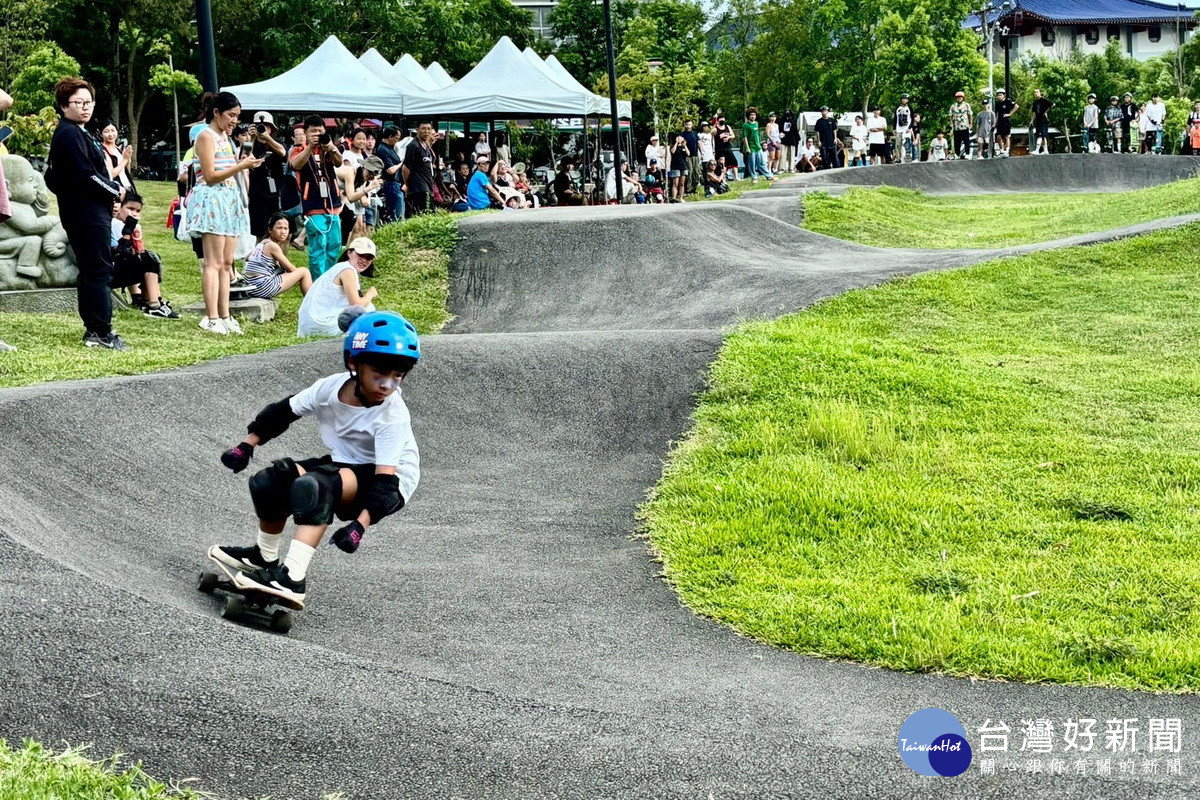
(78, 174)
(826, 128)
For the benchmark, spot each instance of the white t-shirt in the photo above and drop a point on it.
(1155, 114)
(877, 126)
(705, 145)
(809, 150)
(858, 137)
(381, 435)
(652, 154)
(324, 302)
(353, 159)
(938, 149)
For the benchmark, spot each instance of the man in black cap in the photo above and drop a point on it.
(826, 128)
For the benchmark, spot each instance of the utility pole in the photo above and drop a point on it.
(208, 52)
(619, 177)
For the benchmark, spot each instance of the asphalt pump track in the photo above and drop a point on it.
(505, 635)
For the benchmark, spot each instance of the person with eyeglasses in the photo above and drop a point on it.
(78, 174)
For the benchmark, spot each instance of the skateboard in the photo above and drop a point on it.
(248, 605)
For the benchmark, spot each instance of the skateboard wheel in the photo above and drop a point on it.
(233, 607)
(208, 582)
(281, 621)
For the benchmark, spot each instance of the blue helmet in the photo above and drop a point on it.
(383, 333)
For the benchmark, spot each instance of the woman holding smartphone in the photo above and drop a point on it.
(216, 213)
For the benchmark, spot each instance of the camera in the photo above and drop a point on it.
(325, 138)
(261, 128)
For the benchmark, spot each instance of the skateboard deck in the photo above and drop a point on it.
(248, 605)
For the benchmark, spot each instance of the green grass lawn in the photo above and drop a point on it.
(31, 772)
(412, 278)
(992, 471)
(888, 217)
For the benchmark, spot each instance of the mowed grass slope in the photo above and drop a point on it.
(412, 277)
(889, 217)
(988, 472)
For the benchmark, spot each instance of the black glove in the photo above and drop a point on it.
(131, 224)
(347, 538)
(237, 458)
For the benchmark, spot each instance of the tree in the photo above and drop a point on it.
(22, 30)
(579, 25)
(145, 55)
(33, 88)
(851, 54)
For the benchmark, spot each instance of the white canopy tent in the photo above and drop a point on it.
(597, 105)
(409, 68)
(380, 67)
(329, 80)
(504, 84)
(439, 75)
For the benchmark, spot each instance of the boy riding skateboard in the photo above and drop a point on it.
(371, 471)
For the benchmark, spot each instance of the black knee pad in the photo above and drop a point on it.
(271, 490)
(314, 496)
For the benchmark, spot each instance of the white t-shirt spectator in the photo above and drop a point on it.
(810, 151)
(705, 145)
(877, 126)
(352, 158)
(858, 137)
(939, 149)
(483, 149)
(652, 154)
(1155, 114)
(324, 302)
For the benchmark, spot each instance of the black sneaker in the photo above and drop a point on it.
(161, 311)
(242, 559)
(274, 581)
(110, 342)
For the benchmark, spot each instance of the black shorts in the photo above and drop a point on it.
(1042, 128)
(364, 473)
(1004, 126)
(878, 149)
(129, 268)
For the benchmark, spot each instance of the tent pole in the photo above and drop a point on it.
(583, 162)
(618, 176)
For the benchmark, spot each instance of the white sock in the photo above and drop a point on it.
(268, 545)
(299, 554)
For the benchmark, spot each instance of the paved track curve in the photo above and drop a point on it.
(505, 636)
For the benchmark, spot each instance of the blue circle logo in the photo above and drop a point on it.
(933, 742)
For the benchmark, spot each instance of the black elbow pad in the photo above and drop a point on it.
(273, 420)
(383, 497)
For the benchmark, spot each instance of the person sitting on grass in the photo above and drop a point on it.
(133, 265)
(268, 270)
(481, 193)
(337, 289)
(654, 183)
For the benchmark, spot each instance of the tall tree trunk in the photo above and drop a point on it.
(114, 38)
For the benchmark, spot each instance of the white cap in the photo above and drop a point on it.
(265, 116)
(363, 246)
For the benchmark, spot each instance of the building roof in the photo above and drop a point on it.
(1097, 12)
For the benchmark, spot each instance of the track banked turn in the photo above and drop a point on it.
(504, 635)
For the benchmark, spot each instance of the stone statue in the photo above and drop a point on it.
(34, 253)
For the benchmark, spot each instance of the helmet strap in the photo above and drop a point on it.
(358, 392)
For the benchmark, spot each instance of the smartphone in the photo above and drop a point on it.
(5, 132)
(248, 147)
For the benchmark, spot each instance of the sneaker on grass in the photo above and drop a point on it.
(272, 580)
(242, 559)
(110, 342)
(161, 311)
